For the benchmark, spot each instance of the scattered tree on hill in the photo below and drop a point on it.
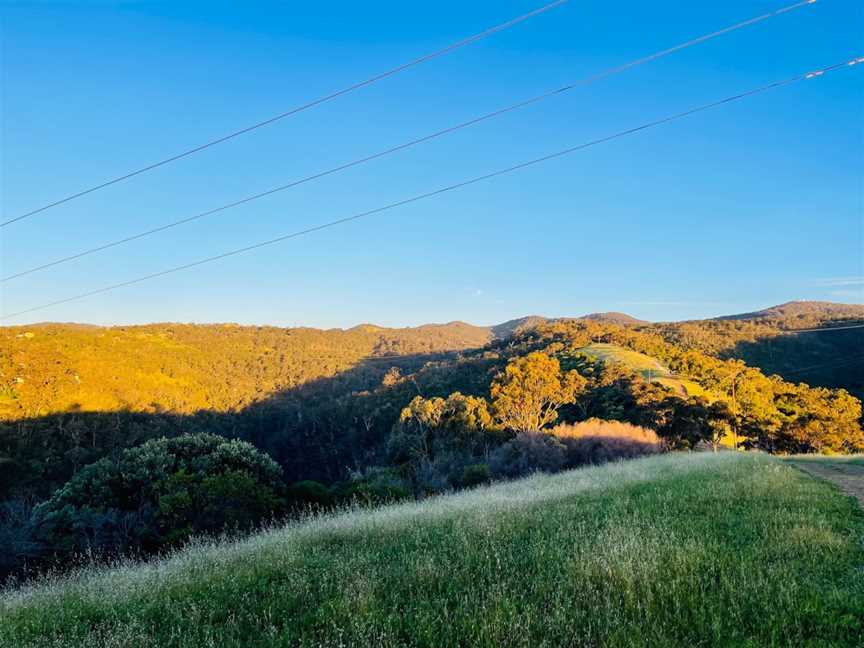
(688, 422)
(527, 395)
(427, 425)
(436, 439)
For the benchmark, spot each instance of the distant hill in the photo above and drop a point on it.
(614, 318)
(511, 327)
(803, 311)
(767, 339)
(326, 403)
(515, 326)
(186, 367)
(222, 367)
(760, 338)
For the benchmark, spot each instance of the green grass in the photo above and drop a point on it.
(633, 359)
(648, 367)
(678, 550)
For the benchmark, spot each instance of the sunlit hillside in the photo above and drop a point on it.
(829, 354)
(627, 448)
(183, 368)
(648, 367)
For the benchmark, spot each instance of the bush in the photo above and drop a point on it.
(475, 474)
(597, 441)
(310, 492)
(526, 453)
(373, 486)
(159, 494)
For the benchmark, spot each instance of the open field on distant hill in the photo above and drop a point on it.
(676, 550)
(649, 368)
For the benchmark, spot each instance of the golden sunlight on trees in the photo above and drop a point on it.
(427, 425)
(526, 397)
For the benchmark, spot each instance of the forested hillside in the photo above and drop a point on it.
(321, 402)
(129, 436)
(180, 368)
(184, 368)
(803, 314)
(768, 339)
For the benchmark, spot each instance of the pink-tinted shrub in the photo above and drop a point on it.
(597, 441)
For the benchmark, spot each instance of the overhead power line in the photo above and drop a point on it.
(452, 187)
(824, 365)
(820, 330)
(405, 145)
(297, 109)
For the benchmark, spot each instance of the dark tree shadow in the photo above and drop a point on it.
(320, 430)
(820, 359)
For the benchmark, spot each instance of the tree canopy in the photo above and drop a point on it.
(161, 493)
(527, 395)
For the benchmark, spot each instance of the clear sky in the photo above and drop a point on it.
(742, 207)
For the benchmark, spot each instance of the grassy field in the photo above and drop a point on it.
(676, 550)
(649, 368)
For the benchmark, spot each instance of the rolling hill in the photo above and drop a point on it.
(803, 310)
(184, 368)
(677, 550)
(648, 367)
(767, 339)
(614, 318)
(369, 412)
(323, 403)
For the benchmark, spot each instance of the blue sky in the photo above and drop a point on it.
(738, 208)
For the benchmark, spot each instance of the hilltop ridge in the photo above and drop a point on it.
(801, 309)
(615, 318)
(225, 366)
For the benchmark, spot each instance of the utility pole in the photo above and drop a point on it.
(734, 409)
(734, 414)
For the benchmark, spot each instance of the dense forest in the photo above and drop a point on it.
(767, 339)
(186, 368)
(132, 439)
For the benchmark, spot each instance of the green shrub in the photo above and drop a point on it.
(374, 486)
(310, 492)
(159, 494)
(475, 474)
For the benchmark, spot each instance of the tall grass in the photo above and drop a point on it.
(673, 550)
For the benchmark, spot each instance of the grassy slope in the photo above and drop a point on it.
(675, 550)
(647, 366)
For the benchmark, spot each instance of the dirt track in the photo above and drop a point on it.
(848, 475)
